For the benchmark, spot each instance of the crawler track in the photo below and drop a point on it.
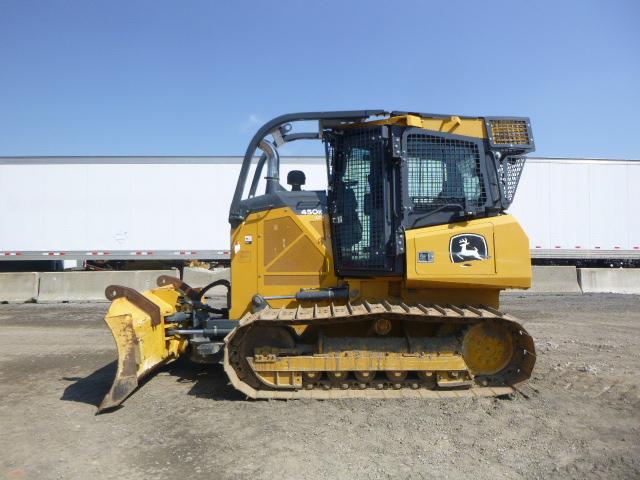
(315, 373)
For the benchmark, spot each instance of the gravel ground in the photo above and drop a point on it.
(581, 420)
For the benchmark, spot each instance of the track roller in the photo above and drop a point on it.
(364, 376)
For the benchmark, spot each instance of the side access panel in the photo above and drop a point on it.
(278, 252)
(488, 252)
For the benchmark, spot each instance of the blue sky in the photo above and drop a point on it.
(159, 77)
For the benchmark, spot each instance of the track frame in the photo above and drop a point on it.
(502, 383)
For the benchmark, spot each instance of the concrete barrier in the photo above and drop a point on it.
(199, 277)
(18, 287)
(555, 280)
(610, 280)
(89, 286)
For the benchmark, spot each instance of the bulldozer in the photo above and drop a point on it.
(384, 284)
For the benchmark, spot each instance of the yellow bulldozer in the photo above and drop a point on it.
(384, 284)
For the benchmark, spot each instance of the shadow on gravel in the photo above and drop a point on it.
(208, 381)
(92, 388)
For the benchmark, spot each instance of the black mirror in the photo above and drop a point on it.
(296, 179)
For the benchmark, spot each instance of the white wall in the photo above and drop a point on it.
(560, 202)
(580, 203)
(121, 207)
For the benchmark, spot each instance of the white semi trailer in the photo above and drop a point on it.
(175, 208)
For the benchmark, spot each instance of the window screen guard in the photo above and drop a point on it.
(359, 209)
(444, 176)
(509, 170)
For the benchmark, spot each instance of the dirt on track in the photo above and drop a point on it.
(582, 419)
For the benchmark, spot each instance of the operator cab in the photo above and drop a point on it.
(389, 172)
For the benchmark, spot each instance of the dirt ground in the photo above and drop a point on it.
(582, 419)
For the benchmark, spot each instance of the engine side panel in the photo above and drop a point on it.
(279, 252)
(489, 252)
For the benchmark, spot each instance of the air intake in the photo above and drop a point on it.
(510, 132)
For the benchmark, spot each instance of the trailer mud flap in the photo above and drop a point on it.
(137, 322)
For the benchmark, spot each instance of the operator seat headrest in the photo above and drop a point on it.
(296, 179)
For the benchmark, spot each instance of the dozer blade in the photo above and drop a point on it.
(138, 324)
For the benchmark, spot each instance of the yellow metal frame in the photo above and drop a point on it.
(254, 269)
(348, 361)
(469, 127)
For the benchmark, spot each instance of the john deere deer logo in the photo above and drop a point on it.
(468, 247)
